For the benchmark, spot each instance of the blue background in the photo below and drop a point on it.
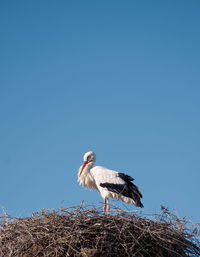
(120, 78)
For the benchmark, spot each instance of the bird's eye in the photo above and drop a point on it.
(89, 158)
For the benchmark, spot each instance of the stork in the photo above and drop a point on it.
(108, 182)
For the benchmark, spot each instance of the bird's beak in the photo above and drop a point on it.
(84, 164)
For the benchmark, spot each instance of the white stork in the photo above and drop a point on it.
(109, 183)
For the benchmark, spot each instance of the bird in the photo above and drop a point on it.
(109, 183)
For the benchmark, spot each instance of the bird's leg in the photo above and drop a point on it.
(108, 206)
(104, 207)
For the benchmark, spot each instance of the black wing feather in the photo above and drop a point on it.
(128, 189)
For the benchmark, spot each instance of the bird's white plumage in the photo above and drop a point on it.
(86, 179)
(93, 178)
(104, 175)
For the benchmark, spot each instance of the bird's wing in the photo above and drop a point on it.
(116, 182)
(125, 177)
(103, 175)
(130, 191)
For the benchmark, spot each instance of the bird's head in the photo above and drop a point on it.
(89, 159)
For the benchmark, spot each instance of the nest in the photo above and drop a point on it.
(78, 231)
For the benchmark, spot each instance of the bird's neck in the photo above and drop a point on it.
(86, 178)
(86, 170)
(89, 166)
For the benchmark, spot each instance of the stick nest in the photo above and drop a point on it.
(78, 231)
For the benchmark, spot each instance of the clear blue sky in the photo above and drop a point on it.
(121, 78)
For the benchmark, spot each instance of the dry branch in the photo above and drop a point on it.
(77, 231)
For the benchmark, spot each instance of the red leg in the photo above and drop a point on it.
(104, 207)
(108, 206)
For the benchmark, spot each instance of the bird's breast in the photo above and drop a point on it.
(86, 179)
